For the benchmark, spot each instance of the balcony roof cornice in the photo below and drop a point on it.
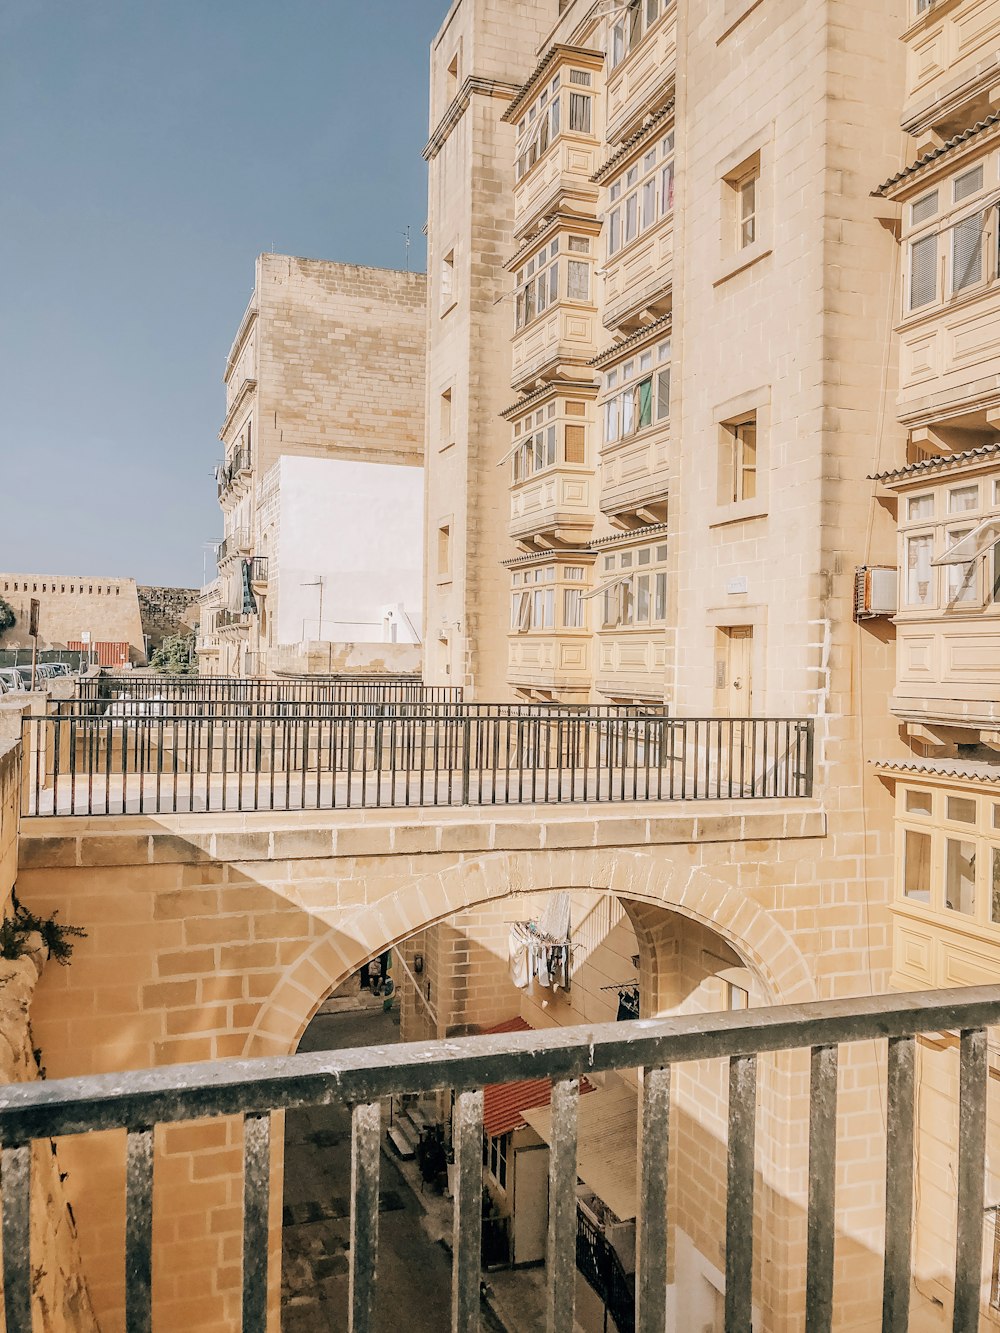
(897, 186)
(940, 465)
(591, 550)
(473, 86)
(553, 389)
(635, 142)
(548, 226)
(648, 333)
(557, 54)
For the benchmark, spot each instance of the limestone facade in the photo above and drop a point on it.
(327, 365)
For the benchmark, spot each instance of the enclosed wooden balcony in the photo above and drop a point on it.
(950, 64)
(634, 478)
(638, 281)
(559, 180)
(559, 342)
(558, 507)
(948, 621)
(643, 77)
(553, 664)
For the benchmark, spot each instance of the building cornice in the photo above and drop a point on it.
(554, 389)
(557, 54)
(648, 333)
(896, 186)
(248, 387)
(249, 317)
(473, 86)
(593, 549)
(547, 227)
(635, 143)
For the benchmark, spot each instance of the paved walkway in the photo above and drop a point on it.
(414, 1272)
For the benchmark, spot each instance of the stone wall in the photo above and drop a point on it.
(60, 1298)
(71, 605)
(167, 611)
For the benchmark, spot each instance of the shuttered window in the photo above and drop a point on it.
(575, 444)
(967, 252)
(923, 271)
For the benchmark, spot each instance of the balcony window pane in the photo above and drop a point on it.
(995, 887)
(579, 113)
(631, 217)
(660, 598)
(967, 252)
(923, 271)
(918, 802)
(917, 866)
(550, 446)
(924, 208)
(962, 499)
(578, 280)
(648, 203)
(573, 605)
(960, 579)
(553, 284)
(575, 444)
(667, 188)
(919, 551)
(614, 231)
(960, 876)
(628, 412)
(618, 44)
(652, 10)
(645, 403)
(920, 507)
(968, 183)
(611, 421)
(996, 573)
(555, 116)
(962, 809)
(642, 599)
(663, 394)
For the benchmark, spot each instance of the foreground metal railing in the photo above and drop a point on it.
(234, 689)
(139, 1101)
(114, 764)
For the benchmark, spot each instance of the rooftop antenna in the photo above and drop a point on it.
(407, 242)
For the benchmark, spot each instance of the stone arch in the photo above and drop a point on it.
(638, 874)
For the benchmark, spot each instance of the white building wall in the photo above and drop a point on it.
(358, 527)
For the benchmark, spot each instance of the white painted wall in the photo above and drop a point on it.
(359, 528)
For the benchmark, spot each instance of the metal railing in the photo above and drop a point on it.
(233, 545)
(230, 471)
(599, 1262)
(242, 689)
(138, 1101)
(120, 763)
(258, 569)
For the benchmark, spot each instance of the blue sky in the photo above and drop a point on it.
(149, 150)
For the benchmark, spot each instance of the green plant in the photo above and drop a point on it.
(175, 657)
(58, 939)
(7, 617)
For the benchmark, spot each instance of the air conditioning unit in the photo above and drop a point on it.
(874, 591)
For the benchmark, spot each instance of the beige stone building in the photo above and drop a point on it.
(323, 436)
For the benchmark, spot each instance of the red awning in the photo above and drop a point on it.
(504, 1102)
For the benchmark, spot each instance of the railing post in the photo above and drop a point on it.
(466, 743)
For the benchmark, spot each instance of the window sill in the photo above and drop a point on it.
(738, 513)
(740, 262)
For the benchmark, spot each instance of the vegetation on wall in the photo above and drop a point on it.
(7, 617)
(58, 940)
(176, 656)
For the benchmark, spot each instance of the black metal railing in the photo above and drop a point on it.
(120, 763)
(138, 1101)
(231, 620)
(258, 569)
(601, 1265)
(341, 689)
(239, 463)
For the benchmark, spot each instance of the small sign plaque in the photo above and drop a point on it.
(736, 585)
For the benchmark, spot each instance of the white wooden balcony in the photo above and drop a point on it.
(639, 278)
(631, 663)
(559, 504)
(636, 84)
(564, 336)
(634, 474)
(560, 663)
(559, 179)
(950, 64)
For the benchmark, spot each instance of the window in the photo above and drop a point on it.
(642, 195)
(537, 281)
(452, 80)
(579, 112)
(497, 1164)
(446, 431)
(960, 876)
(961, 499)
(577, 280)
(645, 397)
(540, 127)
(967, 252)
(924, 208)
(536, 441)
(740, 459)
(634, 588)
(960, 584)
(447, 282)
(923, 271)
(917, 866)
(534, 600)
(918, 802)
(961, 810)
(919, 573)
(444, 551)
(920, 507)
(575, 445)
(967, 184)
(632, 25)
(747, 211)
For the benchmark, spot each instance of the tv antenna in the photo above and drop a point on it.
(407, 243)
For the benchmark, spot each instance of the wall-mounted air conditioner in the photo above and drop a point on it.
(875, 591)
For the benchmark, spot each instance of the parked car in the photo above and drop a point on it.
(15, 679)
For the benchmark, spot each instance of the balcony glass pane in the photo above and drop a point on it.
(918, 802)
(962, 499)
(919, 575)
(995, 890)
(920, 507)
(960, 876)
(962, 809)
(917, 866)
(967, 252)
(923, 271)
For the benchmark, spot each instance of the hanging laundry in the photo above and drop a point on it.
(628, 1005)
(520, 973)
